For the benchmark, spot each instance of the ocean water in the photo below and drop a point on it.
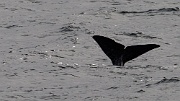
(47, 51)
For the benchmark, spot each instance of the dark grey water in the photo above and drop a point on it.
(47, 51)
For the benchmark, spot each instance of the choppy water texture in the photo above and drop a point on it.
(48, 54)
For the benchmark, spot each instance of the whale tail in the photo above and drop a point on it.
(117, 52)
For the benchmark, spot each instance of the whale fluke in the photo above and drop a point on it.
(117, 52)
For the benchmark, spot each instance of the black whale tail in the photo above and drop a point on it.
(118, 54)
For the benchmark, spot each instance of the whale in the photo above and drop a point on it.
(118, 53)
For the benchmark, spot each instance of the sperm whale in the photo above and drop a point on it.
(118, 53)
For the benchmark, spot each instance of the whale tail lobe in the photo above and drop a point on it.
(117, 52)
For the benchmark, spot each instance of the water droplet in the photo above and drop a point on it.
(60, 63)
(75, 64)
(103, 65)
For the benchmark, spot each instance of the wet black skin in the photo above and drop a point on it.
(118, 53)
